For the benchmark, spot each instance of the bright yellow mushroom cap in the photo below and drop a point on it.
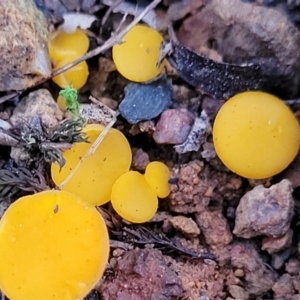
(64, 48)
(136, 57)
(157, 175)
(62, 45)
(133, 199)
(53, 246)
(76, 76)
(256, 135)
(95, 177)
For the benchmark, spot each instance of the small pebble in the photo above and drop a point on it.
(239, 273)
(173, 127)
(293, 266)
(273, 245)
(145, 101)
(185, 225)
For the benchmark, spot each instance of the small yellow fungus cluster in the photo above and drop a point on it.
(134, 196)
(53, 246)
(94, 178)
(65, 48)
(105, 176)
(256, 135)
(136, 58)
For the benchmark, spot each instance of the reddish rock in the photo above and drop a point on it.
(283, 287)
(173, 126)
(237, 292)
(197, 184)
(142, 275)
(140, 159)
(273, 245)
(293, 266)
(185, 225)
(214, 228)
(258, 279)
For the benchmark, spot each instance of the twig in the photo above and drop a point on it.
(109, 11)
(9, 96)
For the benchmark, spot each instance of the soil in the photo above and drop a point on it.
(217, 235)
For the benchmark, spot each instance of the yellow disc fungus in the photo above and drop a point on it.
(61, 102)
(157, 175)
(137, 56)
(76, 76)
(65, 48)
(53, 246)
(62, 45)
(94, 178)
(256, 135)
(133, 199)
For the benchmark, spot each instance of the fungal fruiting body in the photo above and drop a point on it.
(96, 174)
(53, 246)
(133, 199)
(137, 56)
(157, 175)
(65, 48)
(134, 196)
(256, 135)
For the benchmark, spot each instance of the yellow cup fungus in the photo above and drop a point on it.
(137, 56)
(133, 199)
(61, 102)
(94, 178)
(53, 246)
(157, 175)
(256, 135)
(77, 75)
(65, 48)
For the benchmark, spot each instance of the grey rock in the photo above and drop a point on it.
(265, 211)
(144, 102)
(24, 56)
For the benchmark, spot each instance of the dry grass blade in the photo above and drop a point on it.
(16, 180)
(142, 235)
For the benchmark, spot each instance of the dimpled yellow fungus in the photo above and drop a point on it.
(157, 175)
(53, 246)
(256, 135)
(136, 57)
(94, 179)
(65, 48)
(133, 199)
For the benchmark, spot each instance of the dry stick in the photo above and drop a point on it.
(9, 96)
(106, 46)
(109, 11)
